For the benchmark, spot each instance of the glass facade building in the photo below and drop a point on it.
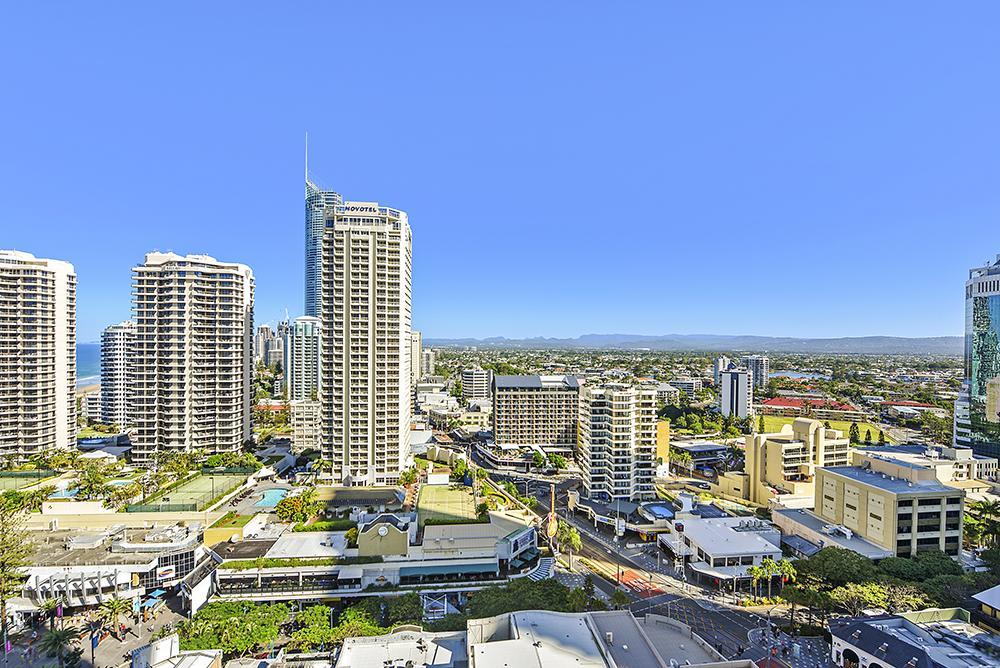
(317, 201)
(977, 411)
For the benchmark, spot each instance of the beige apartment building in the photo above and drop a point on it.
(902, 508)
(306, 423)
(954, 466)
(536, 411)
(781, 467)
(37, 355)
(616, 449)
(366, 370)
(191, 373)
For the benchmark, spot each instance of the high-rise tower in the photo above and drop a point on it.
(191, 375)
(318, 202)
(302, 354)
(977, 410)
(116, 364)
(37, 355)
(366, 338)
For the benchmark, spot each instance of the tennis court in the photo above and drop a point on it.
(195, 494)
(10, 480)
(444, 503)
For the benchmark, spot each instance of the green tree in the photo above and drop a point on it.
(855, 597)
(868, 436)
(16, 548)
(558, 461)
(92, 482)
(568, 538)
(537, 459)
(619, 599)
(57, 642)
(881, 437)
(408, 477)
(855, 433)
(49, 607)
(113, 610)
(838, 566)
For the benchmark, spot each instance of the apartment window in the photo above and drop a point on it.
(905, 503)
(929, 502)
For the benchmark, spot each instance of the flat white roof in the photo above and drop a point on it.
(723, 536)
(308, 544)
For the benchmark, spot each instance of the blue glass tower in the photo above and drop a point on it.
(977, 411)
(317, 200)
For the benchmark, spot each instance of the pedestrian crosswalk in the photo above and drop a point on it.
(544, 569)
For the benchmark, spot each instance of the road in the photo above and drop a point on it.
(654, 587)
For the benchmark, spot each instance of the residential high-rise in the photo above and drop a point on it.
(759, 368)
(977, 410)
(117, 349)
(261, 342)
(721, 364)
(536, 411)
(320, 204)
(191, 378)
(365, 313)
(616, 449)
(428, 362)
(476, 384)
(416, 351)
(302, 352)
(37, 355)
(735, 393)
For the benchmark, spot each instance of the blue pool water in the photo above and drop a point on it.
(272, 497)
(67, 493)
(119, 483)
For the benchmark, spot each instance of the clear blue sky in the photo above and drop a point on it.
(774, 168)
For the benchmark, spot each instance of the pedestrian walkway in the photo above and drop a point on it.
(543, 570)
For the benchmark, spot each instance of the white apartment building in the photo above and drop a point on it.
(689, 386)
(191, 375)
(721, 364)
(90, 406)
(305, 418)
(536, 411)
(117, 343)
(303, 342)
(428, 361)
(735, 393)
(616, 449)
(365, 311)
(759, 367)
(476, 384)
(37, 355)
(667, 393)
(416, 352)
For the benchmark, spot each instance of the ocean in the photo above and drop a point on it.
(88, 364)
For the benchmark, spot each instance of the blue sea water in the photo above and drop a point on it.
(88, 364)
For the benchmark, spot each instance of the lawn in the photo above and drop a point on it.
(231, 519)
(773, 423)
(444, 504)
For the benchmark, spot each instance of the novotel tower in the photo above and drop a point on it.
(365, 346)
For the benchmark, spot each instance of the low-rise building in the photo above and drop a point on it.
(987, 615)
(781, 467)
(950, 464)
(668, 394)
(689, 386)
(821, 409)
(938, 638)
(718, 551)
(900, 508)
(90, 406)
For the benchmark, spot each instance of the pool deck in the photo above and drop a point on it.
(247, 506)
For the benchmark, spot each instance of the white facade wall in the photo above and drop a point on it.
(476, 384)
(37, 355)
(117, 349)
(191, 376)
(302, 347)
(735, 393)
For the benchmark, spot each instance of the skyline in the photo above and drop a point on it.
(842, 192)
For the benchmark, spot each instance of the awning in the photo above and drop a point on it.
(151, 602)
(157, 593)
(350, 573)
(447, 569)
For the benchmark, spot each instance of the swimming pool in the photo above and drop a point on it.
(271, 498)
(119, 483)
(67, 493)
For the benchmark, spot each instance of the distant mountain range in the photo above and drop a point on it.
(866, 345)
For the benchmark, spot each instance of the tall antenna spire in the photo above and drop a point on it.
(307, 155)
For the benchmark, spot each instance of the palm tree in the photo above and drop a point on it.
(569, 538)
(112, 611)
(756, 574)
(92, 483)
(49, 607)
(619, 599)
(769, 569)
(57, 642)
(786, 570)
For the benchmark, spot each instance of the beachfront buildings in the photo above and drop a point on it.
(539, 411)
(302, 353)
(191, 373)
(616, 448)
(977, 410)
(37, 355)
(364, 308)
(117, 343)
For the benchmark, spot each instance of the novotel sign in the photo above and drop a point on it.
(356, 208)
